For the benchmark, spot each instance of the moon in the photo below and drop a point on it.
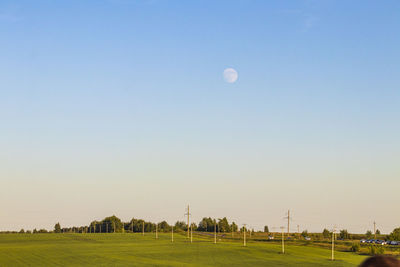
(230, 75)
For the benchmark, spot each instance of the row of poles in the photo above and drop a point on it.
(190, 233)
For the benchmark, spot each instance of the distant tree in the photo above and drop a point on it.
(304, 233)
(344, 234)
(194, 226)
(234, 227)
(368, 234)
(207, 225)
(57, 228)
(22, 231)
(110, 224)
(326, 233)
(164, 226)
(42, 231)
(34, 231)
(180, 225)
(378, 232)
(223, 225)
(28, 232)
(266, 230)
(395, 234)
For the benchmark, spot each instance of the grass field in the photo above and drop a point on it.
(137, 250)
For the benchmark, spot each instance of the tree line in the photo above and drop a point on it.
(114, 224)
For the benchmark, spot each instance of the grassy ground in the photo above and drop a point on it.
(136, 250)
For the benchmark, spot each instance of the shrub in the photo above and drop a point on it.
(376, 250)
(355, 247)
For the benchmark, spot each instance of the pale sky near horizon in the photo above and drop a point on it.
(121, 107)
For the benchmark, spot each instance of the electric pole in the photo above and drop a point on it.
(156, 230)
(374, 230)
(143, 228)
(333, 243)
(191, 233)
(188, 225)
(215, 232)
(283, 240)
(172, 234)
(244, 235)
(288, 221)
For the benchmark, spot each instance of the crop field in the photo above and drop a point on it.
(118, 249)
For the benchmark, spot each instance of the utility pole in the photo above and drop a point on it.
(143, 228)
(172, 234)
(244, 235)
(188, 221)
(283, 240)
(374, 230)
(333, 243)
(114, 226)
(215, 232)
(298, 230)
(191, 233)
(156, 230)
(288, 222)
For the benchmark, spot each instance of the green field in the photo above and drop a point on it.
(137, 250)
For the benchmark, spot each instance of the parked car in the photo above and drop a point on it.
(270, 237)
(363, 241)
(307, 238)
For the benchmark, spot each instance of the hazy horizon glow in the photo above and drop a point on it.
(118, 107)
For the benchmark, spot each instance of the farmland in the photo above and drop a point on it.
(127, 249)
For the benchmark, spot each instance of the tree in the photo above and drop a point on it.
(22, 231)
(164, 226)
(368, 234)
(207, 224)
(326, 233)
(378, 232)
(304, 233)
(111, 224)
(395, 234)
(266, 230)
(344, 234)
(223, 225)
(57, 228)
(234, 227)
(180, 225)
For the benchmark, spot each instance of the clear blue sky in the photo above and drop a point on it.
(120, 107)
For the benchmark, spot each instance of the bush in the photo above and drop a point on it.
(376, 250)
(355, 247)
